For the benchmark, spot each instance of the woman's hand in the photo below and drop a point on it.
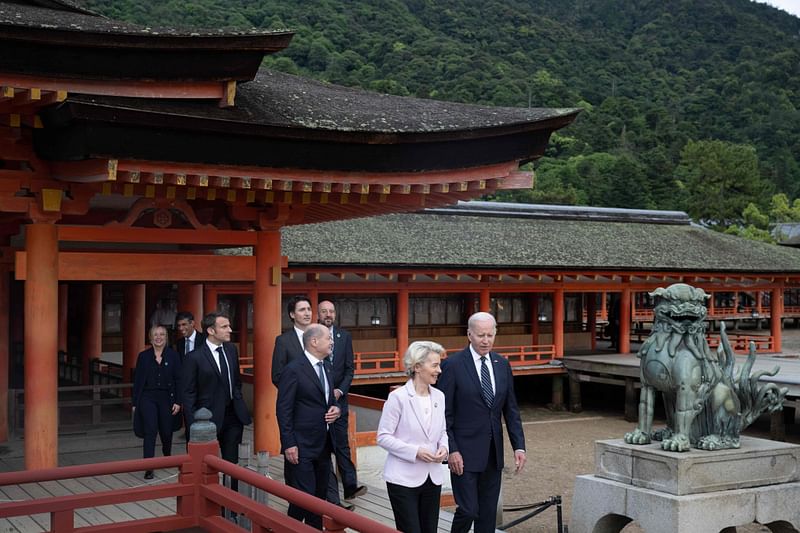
(426, 456)
(441, 455)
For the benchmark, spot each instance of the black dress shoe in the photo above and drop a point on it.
(356, 492)
(148, 474)
(347, 506)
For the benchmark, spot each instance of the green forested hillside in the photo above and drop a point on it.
(676, 93)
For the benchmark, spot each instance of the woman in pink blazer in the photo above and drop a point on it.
(412, 429)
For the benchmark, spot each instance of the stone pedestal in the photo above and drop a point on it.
(693, 492)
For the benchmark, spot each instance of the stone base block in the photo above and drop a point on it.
(756, 463)
(606, 506)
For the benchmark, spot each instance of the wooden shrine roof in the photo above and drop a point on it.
(497, 238)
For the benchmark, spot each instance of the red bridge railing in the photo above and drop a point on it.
(199, 498)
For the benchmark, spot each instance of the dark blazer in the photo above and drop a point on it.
(470, 423)
(287, 349)
(301, 408)
(343, 365)
(180, 344)
(205, 386)
(171, 368)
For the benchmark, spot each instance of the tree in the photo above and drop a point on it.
(719, 179)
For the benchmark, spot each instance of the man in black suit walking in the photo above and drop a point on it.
(289, 344)
(341, 359)
(189, 337)
(478, 388)
(306, 411)
(211, 380)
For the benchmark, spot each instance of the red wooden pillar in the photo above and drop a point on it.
(133, 334)
(776, 318)
(591, 318)
(758, 302)
(92, 333)
(63, 302)
(402, 323)
(485, 301)
(41, 346)
(534, 319)
(625, 320)
(190, 298)
(266, 326)
(4, 355)
(558, 321)
(603, 304)
(313, 295)
(210, 295)
(244, 339)
(711, 305)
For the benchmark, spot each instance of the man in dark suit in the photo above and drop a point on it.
(189, 337)
(211, 380)
(306, 411)
(478, 387)
(289, 344)
(341, 359)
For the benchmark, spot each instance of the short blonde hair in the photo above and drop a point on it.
(152, 330)
(418, 353)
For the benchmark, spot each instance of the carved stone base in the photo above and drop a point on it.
(694, 492)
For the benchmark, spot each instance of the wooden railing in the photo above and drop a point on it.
(718, 313)
(739, 343)
(199, 494)
(536, 354)
(377, 362)
(90, 396)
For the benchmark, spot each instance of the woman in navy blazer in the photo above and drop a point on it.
(156, 394)
(412, 429)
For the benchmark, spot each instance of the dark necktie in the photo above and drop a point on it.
(223, 368)
(486, 383)
(321, 374)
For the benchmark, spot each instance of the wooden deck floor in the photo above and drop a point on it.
(109, 447)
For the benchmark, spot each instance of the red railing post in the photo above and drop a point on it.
(198, 473)
(62, 521)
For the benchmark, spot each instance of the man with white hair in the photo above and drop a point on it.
(478, 387)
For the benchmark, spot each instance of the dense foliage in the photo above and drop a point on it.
(687, 104)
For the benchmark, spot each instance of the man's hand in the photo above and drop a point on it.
(175, 408)
(337, 393)
(456, 463)
(292, 455)
(332, 414)
(519, 460)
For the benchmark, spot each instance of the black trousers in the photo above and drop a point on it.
(476, 495)
(341, 451)
(156, 415)
(229, 437)
(310, 475)
(416, 509)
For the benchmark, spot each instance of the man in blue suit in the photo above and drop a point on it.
(342, 364)
(306, 411)
(478, 387)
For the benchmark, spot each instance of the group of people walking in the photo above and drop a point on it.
(450, 411)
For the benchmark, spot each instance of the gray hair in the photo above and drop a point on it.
(314, 331)
(480, 317)
(418, 353)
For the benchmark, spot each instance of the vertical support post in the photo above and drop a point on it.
(534, 319)
(133, 334)
(244, 335)
(558, 321)
(266, 327)
(313, 295)
(92, 333)
(604, 306)
(758, 310)
(485, 300)
(4, 352)
(190, 298)
(776, 318)
(402, 323)
(210, 295)
(63, 310)
(575, 404)
(557, 393)
(625, 320)
(352, 425)
(591, 319)
(41, 346)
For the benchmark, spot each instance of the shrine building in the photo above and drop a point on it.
(130, 155)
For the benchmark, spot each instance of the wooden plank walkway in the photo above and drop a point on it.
(109, 447)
